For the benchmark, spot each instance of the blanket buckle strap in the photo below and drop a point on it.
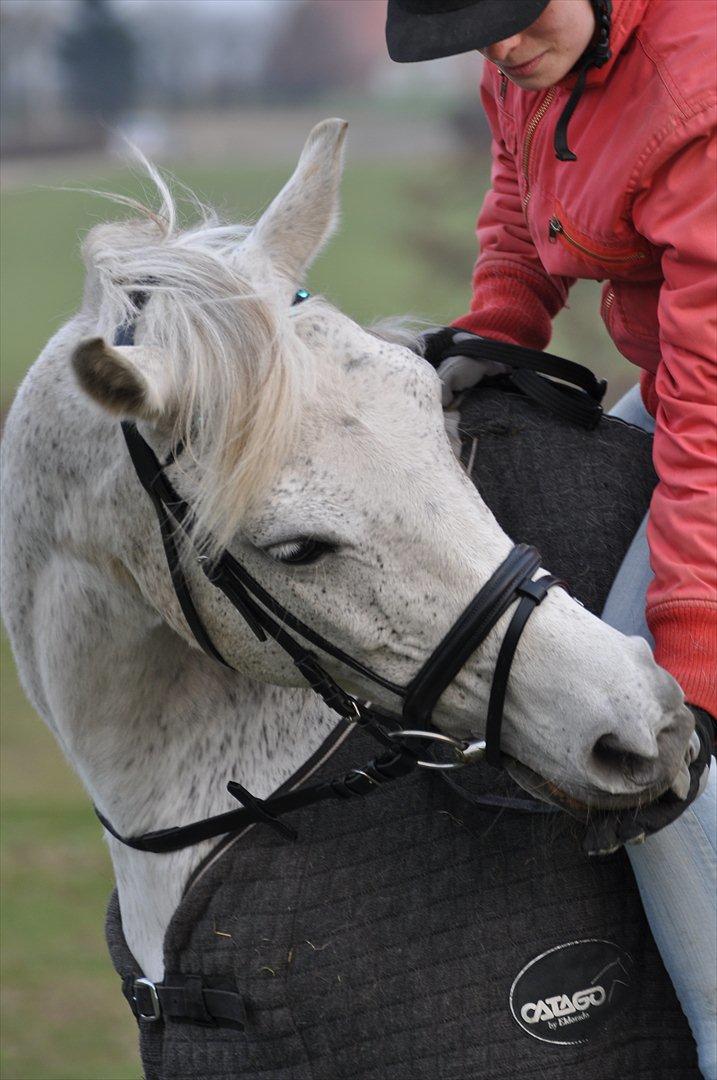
(145, 1000)
(183, 999)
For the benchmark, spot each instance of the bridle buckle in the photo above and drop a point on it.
(474, 751)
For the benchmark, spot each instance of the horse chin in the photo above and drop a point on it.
(549, 792)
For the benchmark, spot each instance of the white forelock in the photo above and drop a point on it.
(240, 373)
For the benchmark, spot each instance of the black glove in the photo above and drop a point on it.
(606, 831)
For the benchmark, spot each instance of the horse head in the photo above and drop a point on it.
(316, 452)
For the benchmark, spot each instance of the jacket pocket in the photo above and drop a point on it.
(613, 258)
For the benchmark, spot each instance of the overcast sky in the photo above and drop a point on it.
(242, 9)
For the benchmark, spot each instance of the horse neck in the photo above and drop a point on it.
(154, 727)
(186, 727)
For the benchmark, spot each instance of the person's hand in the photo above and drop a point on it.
(607, 831)
(457, 373)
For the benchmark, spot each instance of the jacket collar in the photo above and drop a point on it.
(626, 17)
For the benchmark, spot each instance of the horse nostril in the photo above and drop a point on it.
(610, 753)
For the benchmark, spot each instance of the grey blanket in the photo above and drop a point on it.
(388, 942)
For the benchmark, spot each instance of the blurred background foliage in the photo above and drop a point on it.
(221, 93)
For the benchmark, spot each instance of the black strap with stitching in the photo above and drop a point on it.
(358, 782)
(576, 396)
(532, 593)
(468, 631)
(183, 997)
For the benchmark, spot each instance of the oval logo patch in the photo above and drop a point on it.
(567, 994)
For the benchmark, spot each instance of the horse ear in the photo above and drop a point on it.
(125, 380)
(304, 214)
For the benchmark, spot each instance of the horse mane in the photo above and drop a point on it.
(404, 330)
(240, 372)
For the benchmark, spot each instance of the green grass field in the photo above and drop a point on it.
(406, 245)
(63, 1015)
(372, 268)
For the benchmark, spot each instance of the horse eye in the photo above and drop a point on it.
(301, 551)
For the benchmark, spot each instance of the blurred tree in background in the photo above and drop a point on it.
(99, 57)
(321, 47)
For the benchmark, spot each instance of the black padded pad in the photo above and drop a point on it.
(578, 496)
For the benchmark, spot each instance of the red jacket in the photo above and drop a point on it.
(637, 210)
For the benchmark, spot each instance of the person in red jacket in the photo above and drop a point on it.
(604, 166)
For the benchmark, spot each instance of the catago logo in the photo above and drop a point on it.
(562, 1005)
(567, 994)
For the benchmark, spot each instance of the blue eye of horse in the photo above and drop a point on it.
(300, 295)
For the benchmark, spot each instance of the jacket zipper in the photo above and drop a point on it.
(528, 138)
(608, 301)
(555, 229)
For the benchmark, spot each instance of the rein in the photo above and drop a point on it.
(267, 618)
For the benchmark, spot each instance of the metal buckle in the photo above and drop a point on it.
(360, 772)
(148, 985)
(357, 714)
(465, 752)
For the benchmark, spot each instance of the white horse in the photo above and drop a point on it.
(317, 452)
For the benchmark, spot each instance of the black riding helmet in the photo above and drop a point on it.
(429, 29)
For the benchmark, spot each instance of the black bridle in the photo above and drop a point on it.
(267, 618)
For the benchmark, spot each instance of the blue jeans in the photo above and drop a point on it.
(676, 868)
